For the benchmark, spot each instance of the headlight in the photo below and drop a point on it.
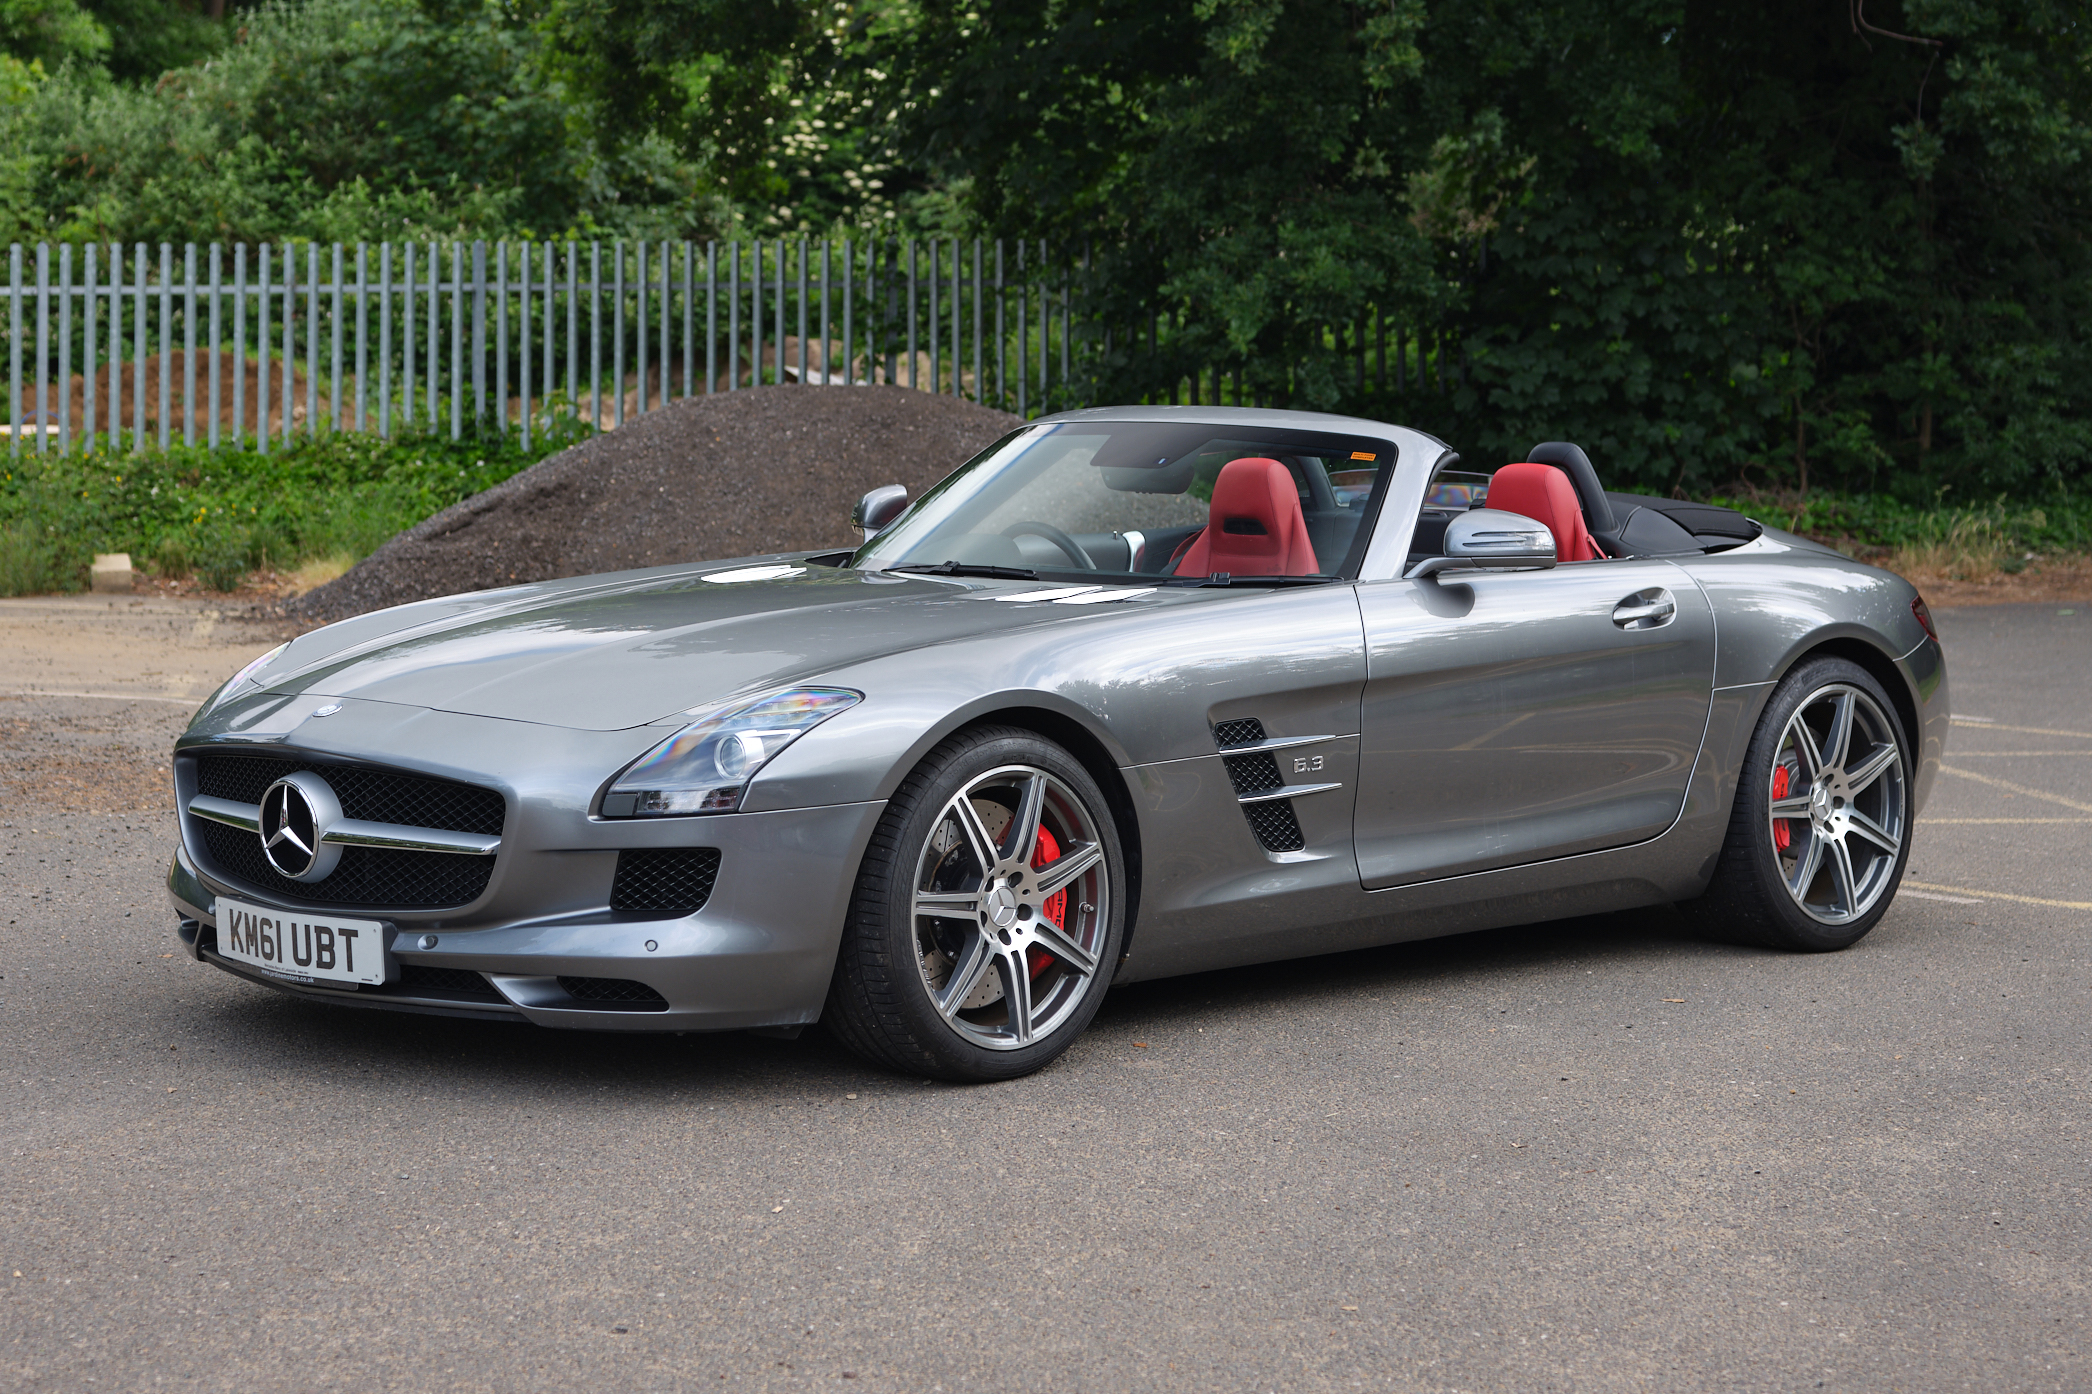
(704, 767)
(238, 680)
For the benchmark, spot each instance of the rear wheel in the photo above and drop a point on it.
(987, 916)
(1821, 827)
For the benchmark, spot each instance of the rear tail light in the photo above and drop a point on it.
(1917, 607)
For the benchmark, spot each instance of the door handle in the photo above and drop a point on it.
(1649, 609)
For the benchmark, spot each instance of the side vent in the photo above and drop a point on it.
(1254, 775)
(1247, 731)
(677, 879)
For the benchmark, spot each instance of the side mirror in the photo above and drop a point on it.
(878, 508)
(1490, 539)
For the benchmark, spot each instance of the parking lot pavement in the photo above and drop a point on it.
(1596, 1154)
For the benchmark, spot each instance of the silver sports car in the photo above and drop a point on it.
(1133, 692)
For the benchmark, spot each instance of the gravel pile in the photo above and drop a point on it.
(769, 469)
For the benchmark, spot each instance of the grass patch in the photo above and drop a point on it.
(1972, 542)
(314, 508)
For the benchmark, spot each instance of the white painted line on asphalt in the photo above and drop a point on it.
(1985, 725)
(2018, 788)
(1934, 895)
(1927, 822)
(2012, 754)
(111, 697)
(1999, 895)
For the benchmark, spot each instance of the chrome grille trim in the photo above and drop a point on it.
(354, 832)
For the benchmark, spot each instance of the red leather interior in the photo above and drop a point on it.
(1544, 494)
(1254, 526)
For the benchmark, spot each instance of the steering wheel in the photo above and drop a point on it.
(1057, 538)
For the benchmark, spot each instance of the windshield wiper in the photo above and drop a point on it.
(967, 568)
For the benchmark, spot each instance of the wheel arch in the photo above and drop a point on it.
(1878, 664)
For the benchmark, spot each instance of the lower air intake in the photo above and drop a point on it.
(420, 980)
(615, 991)
(677, 879)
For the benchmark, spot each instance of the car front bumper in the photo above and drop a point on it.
(759, 951)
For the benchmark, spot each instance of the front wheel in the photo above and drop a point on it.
(988, 913)
(1821, 827)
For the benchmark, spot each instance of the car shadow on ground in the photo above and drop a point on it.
(470, 1055)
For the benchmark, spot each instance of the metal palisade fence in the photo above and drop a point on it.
(121, 347)
(124, 346)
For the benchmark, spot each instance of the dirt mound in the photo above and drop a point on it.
(768, 469)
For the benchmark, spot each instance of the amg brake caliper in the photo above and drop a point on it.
(1782, 781)
(1056, 906)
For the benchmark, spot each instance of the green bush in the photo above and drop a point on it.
(221, 514)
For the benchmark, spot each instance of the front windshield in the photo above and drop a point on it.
(1120, 502)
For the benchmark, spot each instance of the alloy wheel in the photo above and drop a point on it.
(1838, 810)
(1010, 907)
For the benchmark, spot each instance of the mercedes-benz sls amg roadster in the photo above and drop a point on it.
(1133, 692)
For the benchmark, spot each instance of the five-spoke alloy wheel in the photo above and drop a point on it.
(988, 914)
(1821, 828)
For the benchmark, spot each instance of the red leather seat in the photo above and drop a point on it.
(1254, 526)
(1544, 494)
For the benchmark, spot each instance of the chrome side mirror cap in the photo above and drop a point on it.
(877, 509)
(1490, 539)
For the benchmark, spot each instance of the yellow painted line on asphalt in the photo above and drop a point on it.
(2018, 788)
(2023, 730)
(2000, 895)
(1927, 822)
(112, 697)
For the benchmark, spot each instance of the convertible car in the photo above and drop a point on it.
(1133, 692)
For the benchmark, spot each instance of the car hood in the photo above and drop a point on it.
(617, 652)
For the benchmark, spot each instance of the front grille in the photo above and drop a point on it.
(365, 876)
(1246, 731)
(375, 796)
(420, 980)
(622, 990)
(664, 878)
(1254, 774)
(1275, 825)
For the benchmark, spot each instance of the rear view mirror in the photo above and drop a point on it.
(878, 508)
(1490, 539)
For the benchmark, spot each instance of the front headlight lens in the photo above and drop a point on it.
(706, 766)
(251, 669)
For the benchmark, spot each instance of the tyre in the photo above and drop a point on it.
(987, 916)
(1821, 827)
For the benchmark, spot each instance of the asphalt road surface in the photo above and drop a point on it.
(1597, 1154)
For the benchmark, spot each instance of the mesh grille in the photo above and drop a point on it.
(376, 796)
(1253, 774)
(420, 980)
(1246, 731)
(612, 990)
(1275, 825)
(665, 878)
(366, 876)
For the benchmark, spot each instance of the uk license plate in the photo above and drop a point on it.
(299, 947)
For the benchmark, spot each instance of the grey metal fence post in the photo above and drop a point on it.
(639, 283)
(42, 409)
(827, 324)
(458, 287)
(239, 345)
(595, 336)
(958, 346)
(479, 335)
(978, 396)
(14, 349)
(522, 347)
(1023, 328)
(409, 322)
(1001, 344)
(166, 340)
(385, 340)
(802, 312)
(261, 377)
(663, 398)
(755, 315)
(849, 303)
(65, 347)
(779, 352)
(362, 335)
(334, 326)
(141, 341)
(617, 333)
(936, 364)
(188, 343)
(312, 339)
(500, 335)
(574, 330)
(733, 316)
(216, 388)
(911, 314)
(711, 315)
(550, 380)
(290, 349)
(689, 316)
(90, 316)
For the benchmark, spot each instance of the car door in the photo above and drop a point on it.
(1513, 717)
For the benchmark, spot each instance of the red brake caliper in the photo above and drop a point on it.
(1056, 906)
(1782, 835)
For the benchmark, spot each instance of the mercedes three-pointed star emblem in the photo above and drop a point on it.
(296, 812)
